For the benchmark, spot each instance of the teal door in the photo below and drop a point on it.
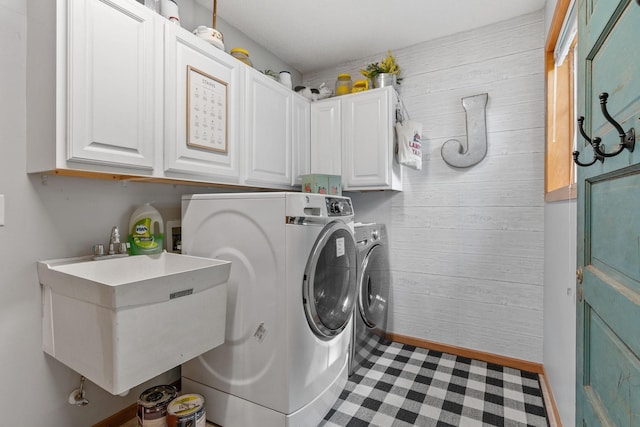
(608, 309)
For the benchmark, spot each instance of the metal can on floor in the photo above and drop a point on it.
(187, 411)
(152, 405)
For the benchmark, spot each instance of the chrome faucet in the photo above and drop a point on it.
(114, 240)
(116, 247)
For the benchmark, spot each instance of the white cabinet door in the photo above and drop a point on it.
(301, 144)
(326, 137)
(368, 160)
(267, 131)
(114, 83)
(213, 148)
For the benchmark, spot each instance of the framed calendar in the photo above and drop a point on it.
(206, 111)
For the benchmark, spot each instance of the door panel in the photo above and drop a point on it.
(301, 139)
(615, 305)
(267, 130)
(614, 63)
(613, 374)
(183, 50)
(597, 16)
(326, 137)
(608, 315)
(365, 131)
(113, 83)
(615, 227)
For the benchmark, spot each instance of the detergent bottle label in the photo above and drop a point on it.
(145, 231)
(142, 236)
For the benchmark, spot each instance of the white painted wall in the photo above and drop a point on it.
(558, 302)
(192, 15)
(467, 244)
(549, 8)
(560, 305)
(559, 293)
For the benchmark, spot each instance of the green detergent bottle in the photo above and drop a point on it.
(145, 231)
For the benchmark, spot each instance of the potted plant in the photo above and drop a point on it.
(271, 74)
(385, 73)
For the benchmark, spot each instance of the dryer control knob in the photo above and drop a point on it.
(375, 235)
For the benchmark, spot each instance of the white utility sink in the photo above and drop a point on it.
(122, 321)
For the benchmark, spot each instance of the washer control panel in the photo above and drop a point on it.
(337, 206)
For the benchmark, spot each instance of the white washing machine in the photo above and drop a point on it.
(291, 294)
(372, 302)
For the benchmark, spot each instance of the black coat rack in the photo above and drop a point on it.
(627, 139)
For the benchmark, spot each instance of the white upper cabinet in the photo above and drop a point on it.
(114, 91)
(301, 143)
(368, 141)
(94, 97)
(213, 81)
(326, 137)
(267, 131)
(353, 136)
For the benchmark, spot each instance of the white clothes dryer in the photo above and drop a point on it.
(372, 301)
(291, 294)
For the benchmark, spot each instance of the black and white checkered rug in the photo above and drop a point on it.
(402, 385)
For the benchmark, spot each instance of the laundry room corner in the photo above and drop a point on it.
(467, 244)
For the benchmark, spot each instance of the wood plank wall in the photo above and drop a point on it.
(467, 244)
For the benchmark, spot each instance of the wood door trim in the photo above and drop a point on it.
(556, 24)
(565, 193)
(551, 183)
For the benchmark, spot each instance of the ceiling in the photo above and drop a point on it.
(311, 35)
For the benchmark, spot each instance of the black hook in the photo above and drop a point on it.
(579, 163)
(582, 132)
(627, 139)
(596, 155)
